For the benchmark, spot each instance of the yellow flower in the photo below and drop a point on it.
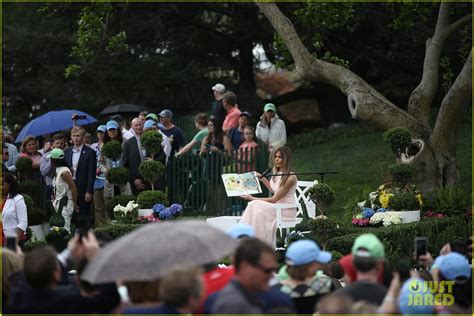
(384, 199)
(56, 229)
(420, 199)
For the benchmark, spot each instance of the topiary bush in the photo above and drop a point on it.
(112, 150)
(28, 201)
(118, 175)
(117, 230)
(401, 173)
(322, 195)
(116, 200)
(35, 216)
(148, 198)
(404, 201)
(324, 229)
(24, 165)
(151, 141)
(31, 188)
(398, 138)
(33, 244)
(151, 170)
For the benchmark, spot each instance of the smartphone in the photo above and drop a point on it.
(83, 225)
(421, 246)
(11, 243)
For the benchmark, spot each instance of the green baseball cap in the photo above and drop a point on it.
(152, 116)
(368, 245)
(56, 153)
(269, 107)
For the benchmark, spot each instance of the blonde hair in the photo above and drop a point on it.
(287, 156)
(11, 263)
(78, 129)
(26, 141)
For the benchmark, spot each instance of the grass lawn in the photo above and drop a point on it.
(361, 162)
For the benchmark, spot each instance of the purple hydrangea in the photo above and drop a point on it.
(165, 214)
(367, 212)
(157, 208)
(176, 209)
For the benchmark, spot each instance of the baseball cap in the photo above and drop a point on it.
(406, 302)
(149, 124)
(246, 114)
(112, 125)
(370, 242)
(241, 230)
(453, 266)
(219, 87)
(152, 116)
(166, 113)
(305, 251)
(348, 267)
(269, 107)
(102, 128)
(56, 153)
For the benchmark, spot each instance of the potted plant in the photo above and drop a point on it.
(151, 171)
(24, 166)
(151, 141)
(147, 199)
(58, 236)
(126, 214)
(399, 140)
(35, 218)
(112, 150)
(322, 195)
(119, 176)
(116, 200)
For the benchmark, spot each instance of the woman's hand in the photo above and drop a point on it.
(247, 197)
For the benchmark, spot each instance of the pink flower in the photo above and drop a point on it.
(148, 219)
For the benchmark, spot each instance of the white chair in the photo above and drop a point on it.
(302, 199)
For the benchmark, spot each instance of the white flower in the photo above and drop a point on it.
(377, 218)
(361, 204)
(131, 206)
(387, 218)
(321, 217)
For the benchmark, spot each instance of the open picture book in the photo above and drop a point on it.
(241, 184)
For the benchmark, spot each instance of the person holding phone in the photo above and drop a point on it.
(216, 141)
(14, 215)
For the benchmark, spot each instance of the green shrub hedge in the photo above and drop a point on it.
(117, 230)
(399, 239)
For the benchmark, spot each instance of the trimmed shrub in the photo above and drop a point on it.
(322, 195)
(24, 165)
(118, 175)
(116, 200)
(112, 150)
(401, 173)
(151, 141)
(28, 201)
(404, 201)
(30, 245)
(117, 230)
(148, 198)
(324, 229)
(151, 170)
(31, 188)
(398, 239)
(398, 138)
(35, 216)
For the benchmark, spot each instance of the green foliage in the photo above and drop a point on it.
(35, 216)
(151, 170)
(57, 218)
(401, 173)
(151, 141)
(447, 75)
(398, 138)
(452, 201)
(324, 229)
(117, 230)
(116, 200)
(322, 195)
(406, 15)
(112, 150)
(398, 239)
(405, 201)
(148, 198)
(118, 175)
(58, 238)
(28, 201)
(24, 165)
(30, 245)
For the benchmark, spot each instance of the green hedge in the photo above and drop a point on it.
(117, 230)
(399, 239)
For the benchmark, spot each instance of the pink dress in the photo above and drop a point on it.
(262, 216)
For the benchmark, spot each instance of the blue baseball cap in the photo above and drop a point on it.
(166, 113)
(305, 251)
(241, 230)
(413, 296)
(102, 128)
(245, 113)
(453, 266)
(112, 125)
(149, 124)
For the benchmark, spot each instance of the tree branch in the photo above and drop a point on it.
(452, 109)
(458, 24)
(419, 103)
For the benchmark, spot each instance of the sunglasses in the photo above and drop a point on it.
(265, 270)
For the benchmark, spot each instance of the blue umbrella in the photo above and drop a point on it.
(54, 121)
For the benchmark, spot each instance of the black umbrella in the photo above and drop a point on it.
(122, 108)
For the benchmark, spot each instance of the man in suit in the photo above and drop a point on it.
(82, 160)
(132, 156)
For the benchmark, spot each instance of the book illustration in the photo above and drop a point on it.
(241, 184)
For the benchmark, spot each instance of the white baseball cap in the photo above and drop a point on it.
(219, 87)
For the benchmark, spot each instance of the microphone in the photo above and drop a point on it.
(265, 173)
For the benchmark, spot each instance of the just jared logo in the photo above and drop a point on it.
(431, 293)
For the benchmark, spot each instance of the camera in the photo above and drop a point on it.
(78, 117)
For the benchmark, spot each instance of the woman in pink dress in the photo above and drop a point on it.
(260, 213)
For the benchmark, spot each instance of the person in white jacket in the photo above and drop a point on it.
(271, 129)
(14, 215)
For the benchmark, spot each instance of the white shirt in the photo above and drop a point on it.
(275, 136)
(127, 134)
(166, 144)
(140, 148)
(14, 215)
(76, 154)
